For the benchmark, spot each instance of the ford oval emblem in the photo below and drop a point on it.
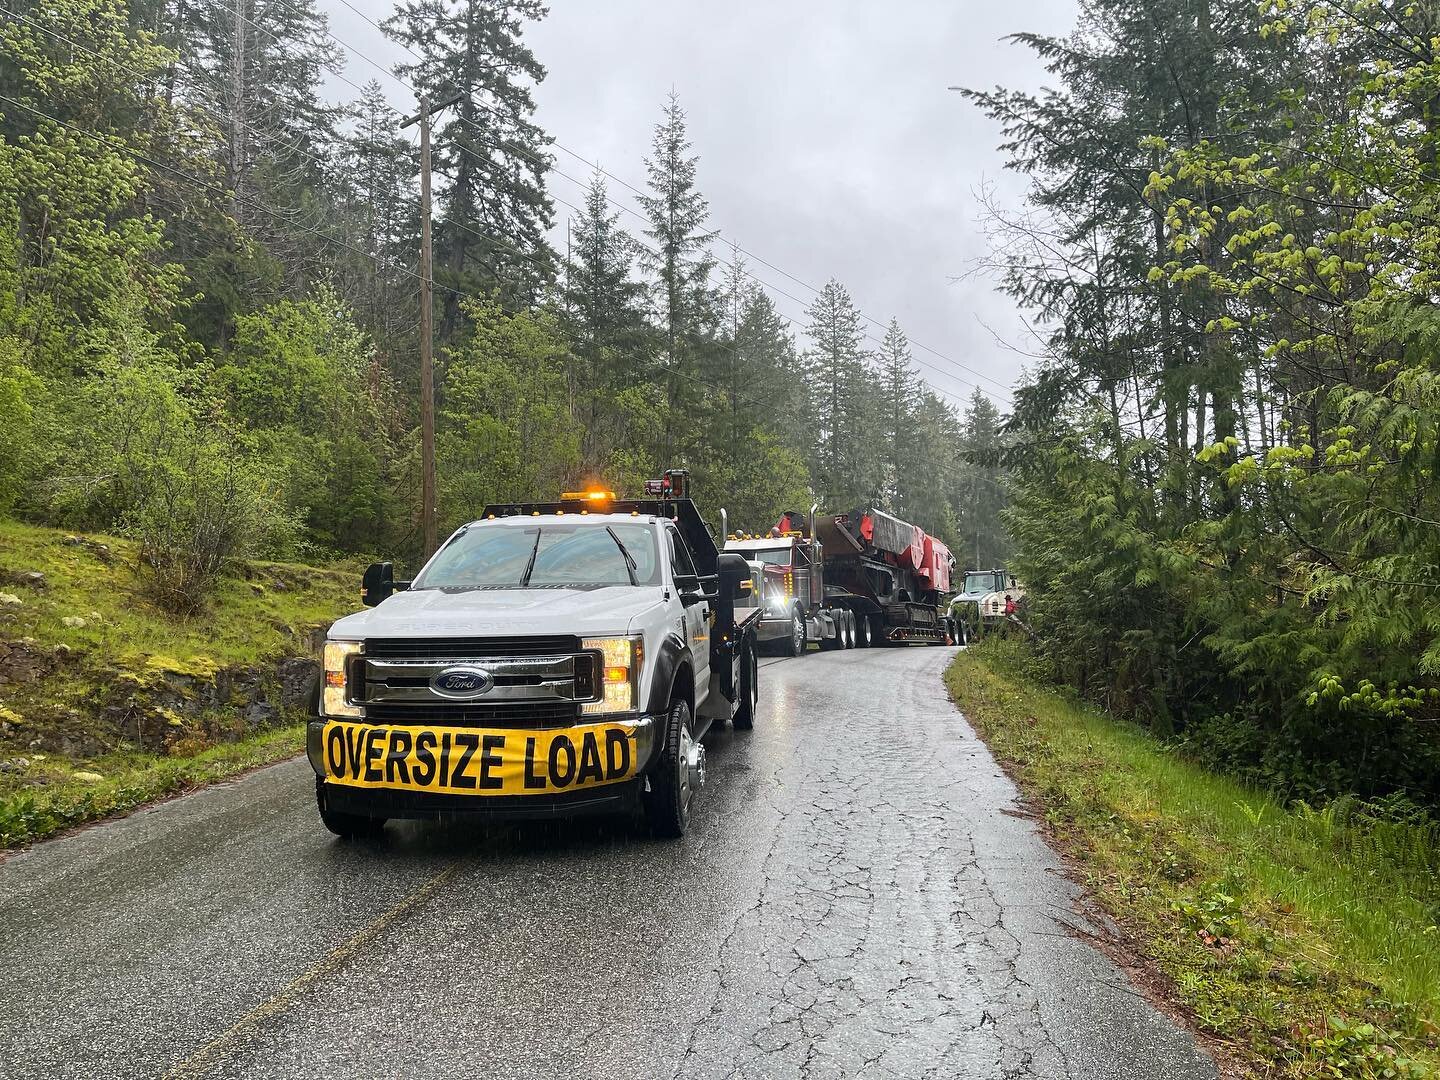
(462, 682)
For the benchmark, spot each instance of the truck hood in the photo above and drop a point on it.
(431, 613)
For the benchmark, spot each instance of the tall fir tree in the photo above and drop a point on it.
(256, 66)
(685, 304)
(895, 409)
(844, 458)
(980, 485)
(774, 376)
(604, 319)
(489, 154)
(249, 74)
(377, 187)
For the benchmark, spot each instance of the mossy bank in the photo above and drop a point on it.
(1303, 939)
(106, 702)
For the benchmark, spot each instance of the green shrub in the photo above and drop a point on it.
(204, 502)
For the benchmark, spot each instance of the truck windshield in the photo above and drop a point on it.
(556, 554)
(982, 583)
(770, 556)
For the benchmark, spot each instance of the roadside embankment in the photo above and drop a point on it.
(107, 703)
(1304, 938)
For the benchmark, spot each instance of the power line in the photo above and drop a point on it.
(543, 162)
(666, 371)
(325, 30)
(212, 106)
(749, 274)
(654, 253)
(785, 273)
(770, 286)
(217, 189)
(547, 164)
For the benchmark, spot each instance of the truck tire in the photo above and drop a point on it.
(744, 718)
(879, 638)
(864, 632)
(346, 826)
(796, 642)
(849, 617)
(672, 786)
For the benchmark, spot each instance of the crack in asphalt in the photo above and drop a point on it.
(858, 897)
(876, 914)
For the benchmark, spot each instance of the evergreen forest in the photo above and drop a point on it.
(1224, 485)
(1217, 476)
(209, 302)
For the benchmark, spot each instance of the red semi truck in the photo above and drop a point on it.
(849, 580)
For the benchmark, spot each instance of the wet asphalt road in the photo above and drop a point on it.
(855, 898)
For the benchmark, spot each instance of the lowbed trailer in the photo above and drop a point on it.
(857, 579)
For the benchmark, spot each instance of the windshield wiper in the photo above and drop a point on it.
(629, 559)
(530, 564)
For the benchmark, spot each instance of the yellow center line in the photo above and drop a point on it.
(212, 1052)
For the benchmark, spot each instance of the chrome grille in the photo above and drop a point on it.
(536, 680)
(517, 679)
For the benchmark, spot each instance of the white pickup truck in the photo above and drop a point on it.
(549, 659)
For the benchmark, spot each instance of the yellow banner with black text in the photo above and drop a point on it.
(479, 761)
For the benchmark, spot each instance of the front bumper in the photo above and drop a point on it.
(381, 803)
(773, 628)
(376, 769)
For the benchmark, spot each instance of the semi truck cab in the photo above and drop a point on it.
(549, 659)
(849, 580)
(795, 602)
(980, 604)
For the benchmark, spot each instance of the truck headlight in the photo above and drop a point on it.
(339, 657)
(620, 660)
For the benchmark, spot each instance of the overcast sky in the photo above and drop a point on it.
(829, 145)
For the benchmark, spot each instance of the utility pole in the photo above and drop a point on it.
(428, 523)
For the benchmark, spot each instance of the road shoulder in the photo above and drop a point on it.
(1219, 904)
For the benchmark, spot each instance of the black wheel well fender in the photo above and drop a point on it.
(682, 688)
(674, 678)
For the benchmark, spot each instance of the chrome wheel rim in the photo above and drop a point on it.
(688, 764)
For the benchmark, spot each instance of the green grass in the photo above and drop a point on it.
(252, 618)
(1305, 938)
(130, 781)
(103, 711)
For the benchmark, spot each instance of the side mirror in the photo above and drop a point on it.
(734, 574)
(378, 583)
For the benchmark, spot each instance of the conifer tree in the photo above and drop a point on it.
(605, 323)
(844, 461)
(377, 188)
(681, 260)
(255, 68)
(492, 208)
(979, 485)
(896, 408)
(776, 375)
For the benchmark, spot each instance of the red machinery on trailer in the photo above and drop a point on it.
(853, 579)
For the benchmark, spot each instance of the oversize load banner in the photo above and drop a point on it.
(479, 761)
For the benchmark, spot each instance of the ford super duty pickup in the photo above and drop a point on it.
(549, 659)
